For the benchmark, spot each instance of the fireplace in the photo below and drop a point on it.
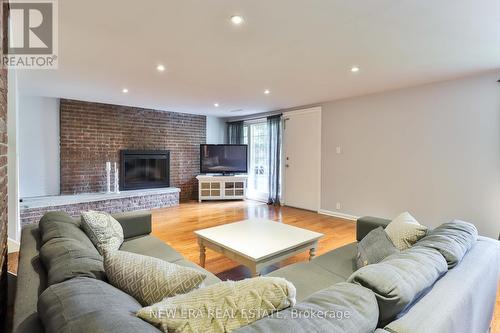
(142, 169)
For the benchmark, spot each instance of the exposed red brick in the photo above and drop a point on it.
(93, 133)
(3, 171)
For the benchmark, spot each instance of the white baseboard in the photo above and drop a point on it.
(338, 214)
(12, 245)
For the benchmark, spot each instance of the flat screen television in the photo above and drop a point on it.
(225, 159)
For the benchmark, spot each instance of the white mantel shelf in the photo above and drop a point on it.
(62, 200)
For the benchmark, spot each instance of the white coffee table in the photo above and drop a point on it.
(257, 243)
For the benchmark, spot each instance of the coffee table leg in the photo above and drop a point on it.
(312, 253)
(202, 253)
(254, 271)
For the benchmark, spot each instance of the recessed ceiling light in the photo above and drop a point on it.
(354, 69)
(160, 68)
(216, 105)
(124, 90)
(236, 19)
(267, 91)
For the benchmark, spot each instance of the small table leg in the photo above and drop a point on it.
(312, 253)
(254, 271)
(202, 253)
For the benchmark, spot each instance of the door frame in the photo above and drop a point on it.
(283, 156)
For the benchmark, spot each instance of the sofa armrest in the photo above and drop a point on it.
(134, 223)
(31, 282)
(366, 224)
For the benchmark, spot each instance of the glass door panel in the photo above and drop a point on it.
(257, 137)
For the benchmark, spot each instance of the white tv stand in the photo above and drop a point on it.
(221, 187)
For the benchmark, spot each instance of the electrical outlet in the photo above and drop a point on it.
(338, 150)
(338, 205)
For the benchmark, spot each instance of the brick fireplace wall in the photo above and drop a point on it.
(93, 133)
(3, 173)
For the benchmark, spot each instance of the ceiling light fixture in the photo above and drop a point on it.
(236, 19)
(354, 69)
(160, 68)
(216, 105)
(124, 90)
(267, 91)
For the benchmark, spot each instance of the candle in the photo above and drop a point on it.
(108, 177)
(117, 186)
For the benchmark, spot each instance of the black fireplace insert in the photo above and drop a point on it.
(140, 169)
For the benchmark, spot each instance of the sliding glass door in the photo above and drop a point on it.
(257, 137)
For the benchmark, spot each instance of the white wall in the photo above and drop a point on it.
(216, 130)
(433, 150)
(38, 146)
(14, 224)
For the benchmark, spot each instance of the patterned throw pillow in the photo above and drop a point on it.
(221, 307)
(374, 247)
(404, 231)
(103, 230)
(148, 279)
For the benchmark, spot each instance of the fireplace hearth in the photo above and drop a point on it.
(142, 169)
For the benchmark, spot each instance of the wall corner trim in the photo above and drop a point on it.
(12, 245)
(338, 214)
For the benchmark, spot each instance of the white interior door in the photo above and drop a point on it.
(302, 158)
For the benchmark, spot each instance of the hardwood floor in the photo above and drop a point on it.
(176, 225)
(12, 260)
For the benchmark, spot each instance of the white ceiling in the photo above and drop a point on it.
(302, 50)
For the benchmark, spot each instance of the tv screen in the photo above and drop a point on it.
(223, 158)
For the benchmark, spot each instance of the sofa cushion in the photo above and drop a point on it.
(66, 258)
(404, 231)
(340, 261)
(88, 305)
(452, 240)
(307, 277)
(374, 247)
(103, 230)
(61, 224)
(222, 307)
(151, 246)
(462, 300)
(343, 307)
(149, 279)
(67, 252)
(401, 278)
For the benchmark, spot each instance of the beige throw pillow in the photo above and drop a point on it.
(222, 307)
(149, 279)
(404, 231)
(104, 231)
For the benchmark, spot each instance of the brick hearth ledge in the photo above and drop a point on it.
(32, 209)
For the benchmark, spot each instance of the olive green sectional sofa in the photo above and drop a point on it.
(462, 300)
